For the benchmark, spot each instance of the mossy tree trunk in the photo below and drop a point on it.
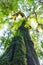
(21, 50)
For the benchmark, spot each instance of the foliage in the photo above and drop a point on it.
(33, 11)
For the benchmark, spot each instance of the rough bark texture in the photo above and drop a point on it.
(21, 50)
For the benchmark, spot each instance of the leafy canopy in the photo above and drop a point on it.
(33, 9)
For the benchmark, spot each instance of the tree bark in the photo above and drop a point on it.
(21, 50)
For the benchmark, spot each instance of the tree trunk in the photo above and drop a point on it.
(21, 50)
